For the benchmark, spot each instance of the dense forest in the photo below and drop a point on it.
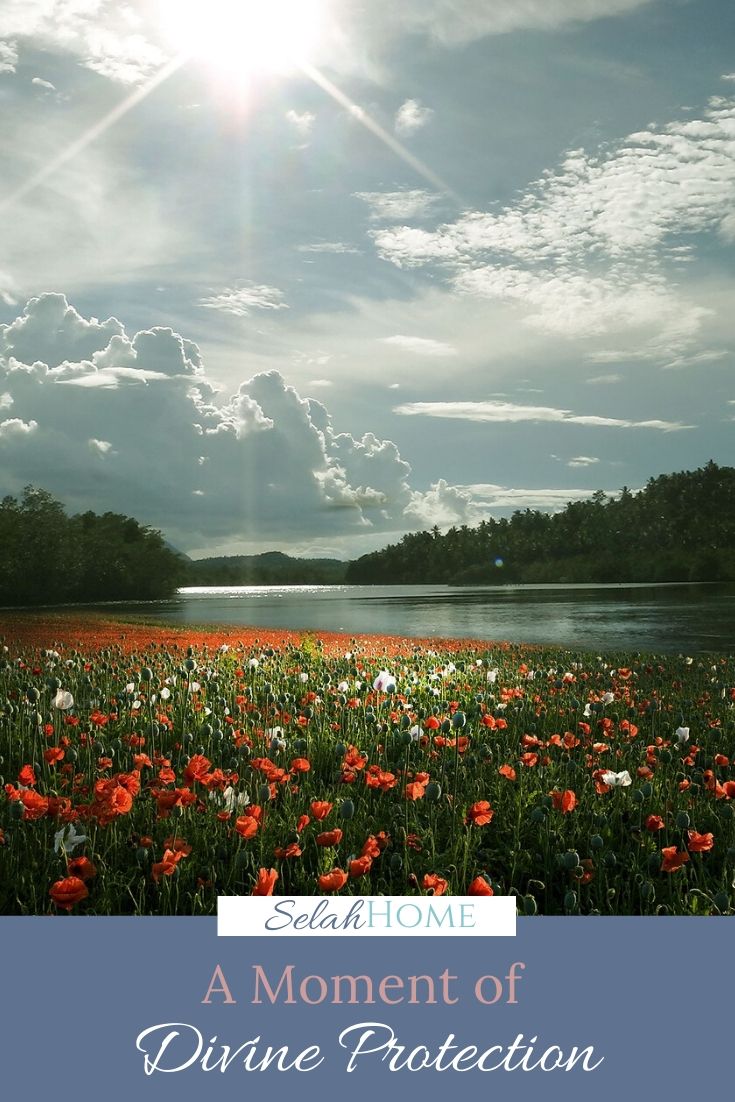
(680, 527)
(47, 557)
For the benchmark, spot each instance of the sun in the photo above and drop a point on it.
(241, 38)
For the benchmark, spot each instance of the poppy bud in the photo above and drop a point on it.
(538, 814)
(346, 809)
(32, 695)
(264, 793)
(141, 855)
(610, 860)
(570, 901)
(722, 902)
(446, 727)
(242, 858)
(16, 810)
(647, 789)
(637, 796)
(648, 891)
(683, 821)
(596, 842)
(146, 674)
(433, 792)
(530, 906)
(396, 863)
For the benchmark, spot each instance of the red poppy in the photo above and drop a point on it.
(166, 866)
(673, 859)
(266, 882)
(27, 777)
(507, 771)
(65, 893)
(81, 867)
(360, 866)
(565, 801)
(329, 837)
(480, 886)
(300, 765)
(699, 843)
(434, 884)
(332, 881)
(480, 813)
(654, 822)
(246, 826)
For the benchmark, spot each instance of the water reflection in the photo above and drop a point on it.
(688, 618)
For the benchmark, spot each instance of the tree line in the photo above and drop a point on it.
(680, 527)
(47, 557)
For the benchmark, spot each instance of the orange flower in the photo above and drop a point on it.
(266, 882)
(27, 777)
(300, 765)
(360, 866)
(332, 881)
(654, 822)
(329, 837)
(36, 806)
(480, 813)
(565, 801)
(700, 843)
(437, 885)
(507, 771)
(65, 893)
(415, 791)
(246, 826)
(672, 859)
(53, 754)
(480, 886)
(167, 866)
(81, 867)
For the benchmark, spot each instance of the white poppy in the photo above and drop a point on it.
(682, 735)
(165, 694)
(617, 780)
(415, 733)
(68, 839)
(608, 698)
(492, 676)
(303, 678)
(63, 700)
(385, 682)
(253, 663)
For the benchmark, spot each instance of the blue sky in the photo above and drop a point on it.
(454, 258)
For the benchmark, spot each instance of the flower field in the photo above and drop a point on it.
(148, 770)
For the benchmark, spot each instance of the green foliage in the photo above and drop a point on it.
(47, 557)
(270, 568)
(680, 527)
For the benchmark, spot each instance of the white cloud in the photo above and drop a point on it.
(8, 57)
(337, 247)
(245, 298)
(421, 346)
(583, 461)
(263, 464)
(442, 505)
(45, 84)
(585, 249)
(14, 426)
(489, 496)
(412, 116)
(509, 413)
(604, 380)
(396, 206)
(453, 22)
(101, 34)
(301, 121)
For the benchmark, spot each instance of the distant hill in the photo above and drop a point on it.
(269, 568)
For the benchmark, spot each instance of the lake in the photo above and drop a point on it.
(675, 618)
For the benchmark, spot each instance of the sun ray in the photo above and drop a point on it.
(380, 132)
(93, 133)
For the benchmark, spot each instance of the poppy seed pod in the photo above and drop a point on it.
(722, 902)
(433, 792)
(530, 907)
(32, 695)
(596, 842)
(570, 901)
(648, 891)
(146, 674)
(264, 793)
(683, 821)
(346, 809)
(459, 719)
(570, 859)
(16, 809)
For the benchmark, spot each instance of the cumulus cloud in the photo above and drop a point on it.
(245, 298)
(587, 248)
(421, 346)
(301, 121)
(8, 57)
(130, 422)
(101, 34)
(495, 412)
(395, 206)
(412, 116)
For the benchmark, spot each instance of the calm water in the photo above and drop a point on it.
(678, 618)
